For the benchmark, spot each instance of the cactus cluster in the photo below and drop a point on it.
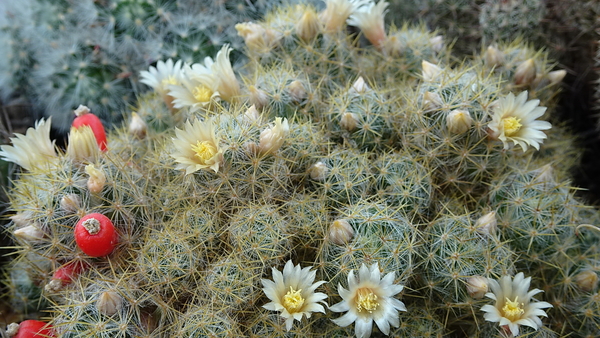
(401, 181)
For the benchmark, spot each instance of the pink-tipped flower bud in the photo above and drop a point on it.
(30, 233)
(556, 77)
(359, 86)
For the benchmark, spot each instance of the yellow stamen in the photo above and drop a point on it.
(511, 310)
(169, 80)
(293, 300)
(204, 151)
(366, 300)
(511, 125)
(202, 93)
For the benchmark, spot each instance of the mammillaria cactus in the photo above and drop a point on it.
(379, 174)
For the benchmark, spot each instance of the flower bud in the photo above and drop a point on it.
(349, 121)
(557, 76)
(432, 101)
(271, 139)
(525, 73)
(97, 179)
(587, 280)
(251, 115)
(318, 171)
(459, 121)
(21, 219)
(493, 57)
(30, 233)
(82, 146)
(477, 286)
(109, 303)
(137, 126)
(308, 27)
(340, 232)
(70, 203)
(487, 223)
(430, 71)
(297, 91)
(437, 43)
(258, 97)
(359, 86)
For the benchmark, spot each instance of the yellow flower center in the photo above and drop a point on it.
(169, 80)
(293, 300)
(511, 125)
(366, 300)
(204, 151)
(511, 310)
(202, 93)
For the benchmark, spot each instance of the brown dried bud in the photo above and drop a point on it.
(525, 73)
(109, 303)
(587, 280)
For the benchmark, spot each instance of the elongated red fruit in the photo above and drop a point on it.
(85, 118)
(95, 235)
(34, 329)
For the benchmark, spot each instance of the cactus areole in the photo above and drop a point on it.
(34, 329)
(95, 235)
(85, 118)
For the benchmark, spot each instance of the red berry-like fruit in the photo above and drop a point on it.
(34, 329)
(85, 118)
(95, 235)
(65, 275)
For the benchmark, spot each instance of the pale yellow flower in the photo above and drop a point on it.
(228, 85)
(272, 138)
(514, 305)
(32, 150)
(333, 18)
(369, 298)
(161, 77)
(369, 18)
(198, 88)
(514, 121)
(197, 147)
(82, 145)
(293, 293)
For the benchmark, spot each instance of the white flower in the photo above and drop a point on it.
(271, 139)
(32, 150)
(369, 299)
(293, 293)
(369, 18)
(161, 77)
(228, 85)
(513, 304)
(196, 147)
(197, 89)
(334, 17)
(514, 120)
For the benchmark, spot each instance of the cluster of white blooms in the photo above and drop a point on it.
(370, 298)
(194, 86)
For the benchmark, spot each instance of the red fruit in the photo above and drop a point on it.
(95, 235)
(34, 329)
(65, 275)
(68, 272)
(85, 118)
